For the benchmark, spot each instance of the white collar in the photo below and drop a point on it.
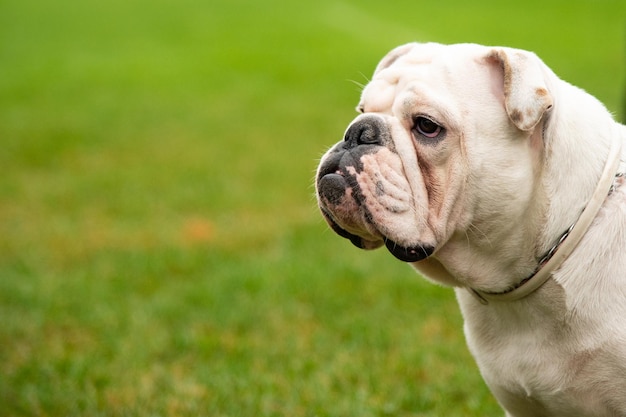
(570, 239)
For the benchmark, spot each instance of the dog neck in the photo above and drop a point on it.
(611, 177)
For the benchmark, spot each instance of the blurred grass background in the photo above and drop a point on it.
(160, 248)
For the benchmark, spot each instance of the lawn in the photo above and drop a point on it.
(161, 253)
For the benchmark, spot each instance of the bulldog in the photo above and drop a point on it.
(487, 173)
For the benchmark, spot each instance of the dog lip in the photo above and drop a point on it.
(343, 157)
(333, 187)
(409, 254)
(356, 240)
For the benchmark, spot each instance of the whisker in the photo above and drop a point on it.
(358, 84)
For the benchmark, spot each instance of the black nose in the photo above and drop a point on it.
(366, 131)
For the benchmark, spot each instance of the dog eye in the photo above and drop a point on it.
(426, 127)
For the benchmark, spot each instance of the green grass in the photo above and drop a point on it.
(160, 249)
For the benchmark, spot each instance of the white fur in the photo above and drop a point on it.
(522, 154)
(562, 350)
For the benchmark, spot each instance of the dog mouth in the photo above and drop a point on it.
(408, 254)
(340, 204)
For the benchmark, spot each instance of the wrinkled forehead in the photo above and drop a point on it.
(430, 68)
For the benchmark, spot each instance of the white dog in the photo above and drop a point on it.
(488, 173)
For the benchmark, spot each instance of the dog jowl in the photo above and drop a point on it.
(362, 197)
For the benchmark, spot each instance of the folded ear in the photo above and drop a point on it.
(526, 96)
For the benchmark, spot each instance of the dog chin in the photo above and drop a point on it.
(410, 253)
(403, 253)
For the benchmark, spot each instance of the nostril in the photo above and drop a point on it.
(370, 135)
(364, 132)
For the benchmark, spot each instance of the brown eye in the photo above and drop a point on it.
(426, 127)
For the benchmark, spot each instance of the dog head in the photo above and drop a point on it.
(443, 143)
